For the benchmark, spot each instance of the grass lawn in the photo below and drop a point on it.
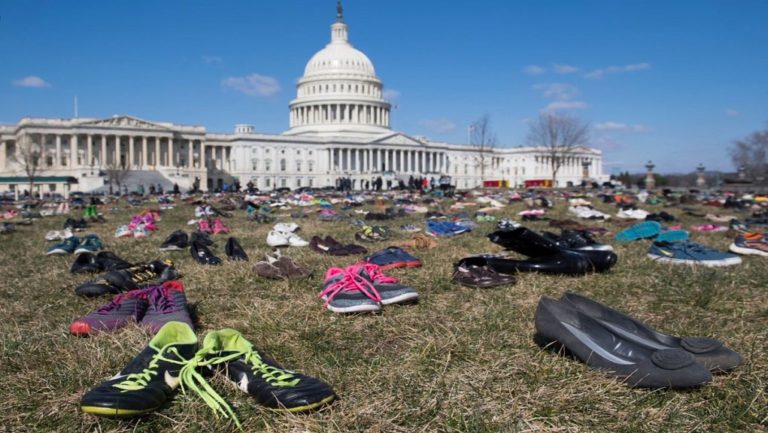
(461, 360)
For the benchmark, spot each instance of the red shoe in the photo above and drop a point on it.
(204, 226)
(219, 227)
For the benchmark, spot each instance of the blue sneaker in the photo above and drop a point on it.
(646, 229)
(690, 253)
(393, 257)
(90, 244)
(672, 236)
(67, 247)
(750, 243)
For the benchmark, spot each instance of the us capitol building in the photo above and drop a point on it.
(339, 127)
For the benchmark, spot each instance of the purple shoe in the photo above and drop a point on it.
(124, 309)
(167, 302)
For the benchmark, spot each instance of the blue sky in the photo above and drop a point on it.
(672, 81)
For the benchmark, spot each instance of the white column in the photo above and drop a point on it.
(190, 154)
(131, 159)
(346, 165)
(73, 150)
(89, 150)
(117, 151)
(156, 158)
(144, 156)
(103, 154)
(56, 163)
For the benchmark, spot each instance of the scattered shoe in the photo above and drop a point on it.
(690, 253)
(176, 241)
(148, 381)
(750, 243)
(124, 280)
(124, 309)
(166, 302)
(123, 232)
(234, 251)
(282, 239)
(647, 229)
(90, 244)
(219, 227)
(577, 241)
(345, 292)
(475, 272)
(67, 247)
(393, 257)
(203, 255)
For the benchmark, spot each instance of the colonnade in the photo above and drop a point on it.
(321, 114)
(347, 159)
(135, 151)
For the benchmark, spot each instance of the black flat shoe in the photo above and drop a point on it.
(203, 255)
(587, 340)
(234, 251)
(563, 263)
(85, 263)
(531, 244)
(475, 272)
(712, 354)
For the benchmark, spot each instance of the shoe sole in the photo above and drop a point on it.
(411, 264)
(172, 248)
(81, 329)
(405, 297)
(747, 251)
(368, 308)
(307, 407)
(708, 263)
(55, 252)
(84, 250)
(115, 412)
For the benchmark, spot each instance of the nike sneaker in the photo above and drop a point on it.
(149, 380)
(261, 377)
(750, 243)
(690, 253)
(129, 279)
(166, 303)
(124, 309)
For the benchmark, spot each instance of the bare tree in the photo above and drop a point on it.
(29, 156)
(752, 154)
(117, 174)
(483, 140)
(560, 135)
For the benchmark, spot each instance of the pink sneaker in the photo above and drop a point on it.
(219, 227)
(204, 226)
(709, 228)
(346, 292)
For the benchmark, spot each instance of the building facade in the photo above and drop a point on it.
(339, 126)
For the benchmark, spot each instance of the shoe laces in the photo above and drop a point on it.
(374, 272)
(350, 281)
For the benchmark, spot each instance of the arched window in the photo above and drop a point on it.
(282, 164)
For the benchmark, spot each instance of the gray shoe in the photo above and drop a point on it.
(167, 303)
(345, 292)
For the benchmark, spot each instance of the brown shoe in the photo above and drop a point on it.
(266, 270)
(290, 268)
(419, 241)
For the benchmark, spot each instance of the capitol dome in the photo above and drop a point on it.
(339, 94)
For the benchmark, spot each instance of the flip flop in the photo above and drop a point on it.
(646, 229)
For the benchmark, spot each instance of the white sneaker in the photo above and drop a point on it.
(286, 227)
(295, 241)
(277, 239)
(52, 235)
(123, 232)
(199, 212)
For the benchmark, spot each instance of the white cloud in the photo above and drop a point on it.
(621, 127)
(440, 126)
(253, 85)
(391, 94)
(565, 105)
(558, 91)
(31, 81)
(597, 74)
(565, 69)
(534, 70)
(212, 59)
(730, 112)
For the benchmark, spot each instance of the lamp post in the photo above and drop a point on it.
(650, 182)
(700, 181)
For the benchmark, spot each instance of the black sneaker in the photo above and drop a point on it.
(264, 379)
(234, 251)
(132, 278)
(147, 382)
(177, 241)
(199, 237)
(203, 255)
(110, 262)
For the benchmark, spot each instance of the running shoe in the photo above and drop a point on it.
(132, 278)
(261, 377)
(345, 292)
(389, 288)
(90, 244)
(165, 303)
(67, 247)
(149, 380)
(750, 243)
(690, 253)
(124, 309)
(393, 257)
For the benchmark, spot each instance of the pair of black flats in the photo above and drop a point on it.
(626, 348)
(198, 245)
(554, 255)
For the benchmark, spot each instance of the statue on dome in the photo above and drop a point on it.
(339, 12)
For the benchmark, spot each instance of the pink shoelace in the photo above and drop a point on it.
(374, 272)
(349, 280)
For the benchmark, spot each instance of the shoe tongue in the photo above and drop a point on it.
(700, 344)
(672, 359)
